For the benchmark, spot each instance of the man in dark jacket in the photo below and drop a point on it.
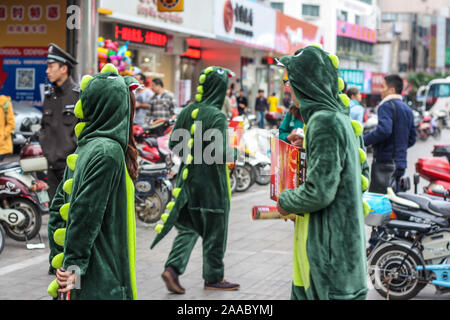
(383, 138)
(57, 136)
(261, 107)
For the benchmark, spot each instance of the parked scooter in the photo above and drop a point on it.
(428, 127)
(436, 170)
(21, 191)
(257, 154)
(274, 119)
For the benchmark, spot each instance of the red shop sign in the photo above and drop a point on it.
(140, 35)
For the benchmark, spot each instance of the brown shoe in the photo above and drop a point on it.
(170, 277)
(222, 285)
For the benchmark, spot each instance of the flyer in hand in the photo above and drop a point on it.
(288, 167)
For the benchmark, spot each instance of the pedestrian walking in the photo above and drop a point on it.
(203, 195)
(395, 133)
(242, 103)
(329, 260)
(143, 97)
(273, 102)
(356, 109)
(92, 218)
(57, 136)
(261, 107)
(162, 104)
(287, 100)
(7, 124)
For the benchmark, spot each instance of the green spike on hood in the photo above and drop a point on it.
(212, 90)
(314, 80)
(106, 108)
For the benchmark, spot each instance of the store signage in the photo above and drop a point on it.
(377, 82)
(354, 31)
(353, 78)
(151, 9)
(245, 22)
(170, 5)
(140, 35)
(32, 23)
(22, 73)
(294, 34)
(192, 53)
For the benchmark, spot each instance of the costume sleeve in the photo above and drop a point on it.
(384, 127)
(284, 129)
(324, 167)
(87, 209)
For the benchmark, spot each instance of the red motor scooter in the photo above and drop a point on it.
(436, 170)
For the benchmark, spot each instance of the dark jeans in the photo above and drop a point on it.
(261, 119)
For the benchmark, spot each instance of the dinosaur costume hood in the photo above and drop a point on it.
(104, 115)
(312, 74)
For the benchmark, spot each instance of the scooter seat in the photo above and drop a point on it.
(408, 226)
(428, 204)
(441, 207)
(9, 165)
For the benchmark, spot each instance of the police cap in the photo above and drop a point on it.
(56, 54)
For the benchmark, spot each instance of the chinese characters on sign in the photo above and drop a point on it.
(354, 31)
(18, 14)
(139, 35)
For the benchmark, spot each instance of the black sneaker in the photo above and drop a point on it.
(170, 277)
(222, 285)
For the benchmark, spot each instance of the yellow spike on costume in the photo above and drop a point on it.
(200, 89)
(170, 205)
(176, 192)
(78, 111)
(59, 236)
(198, 97)
(364, 183)
(64, 211)
(79, 127)
(68, 186)
(72, 161)
(318, 45)
(357, 128)
(159, 228)
(189, 159)
(194, 114)
(202, 79)
(85, 81)
(191, 143)
(345, 99)
(335, 60)
(109, 67)
(366, 208)
(164, 217)
(193, 127)
(57, 261)
(52, 289)
(362, 155)
(341, 84)
(185, 174)
(208, 70)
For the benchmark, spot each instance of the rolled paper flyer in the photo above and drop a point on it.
(269, 212)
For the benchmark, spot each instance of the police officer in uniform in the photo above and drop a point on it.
(57, 136)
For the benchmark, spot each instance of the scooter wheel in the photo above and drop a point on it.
(31, 225)
(2, 238)
(243, 177)
(150, 209)
(392, 271)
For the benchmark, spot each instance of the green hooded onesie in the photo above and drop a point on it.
(329, 246)
(92, 221)
(202, 196)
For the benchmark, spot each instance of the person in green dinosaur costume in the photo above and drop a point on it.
(92, 219)
(202, 196)
(329, 259)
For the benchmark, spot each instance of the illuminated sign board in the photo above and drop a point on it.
(140, 35)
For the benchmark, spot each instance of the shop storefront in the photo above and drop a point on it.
(26, 31)
(162, 44)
